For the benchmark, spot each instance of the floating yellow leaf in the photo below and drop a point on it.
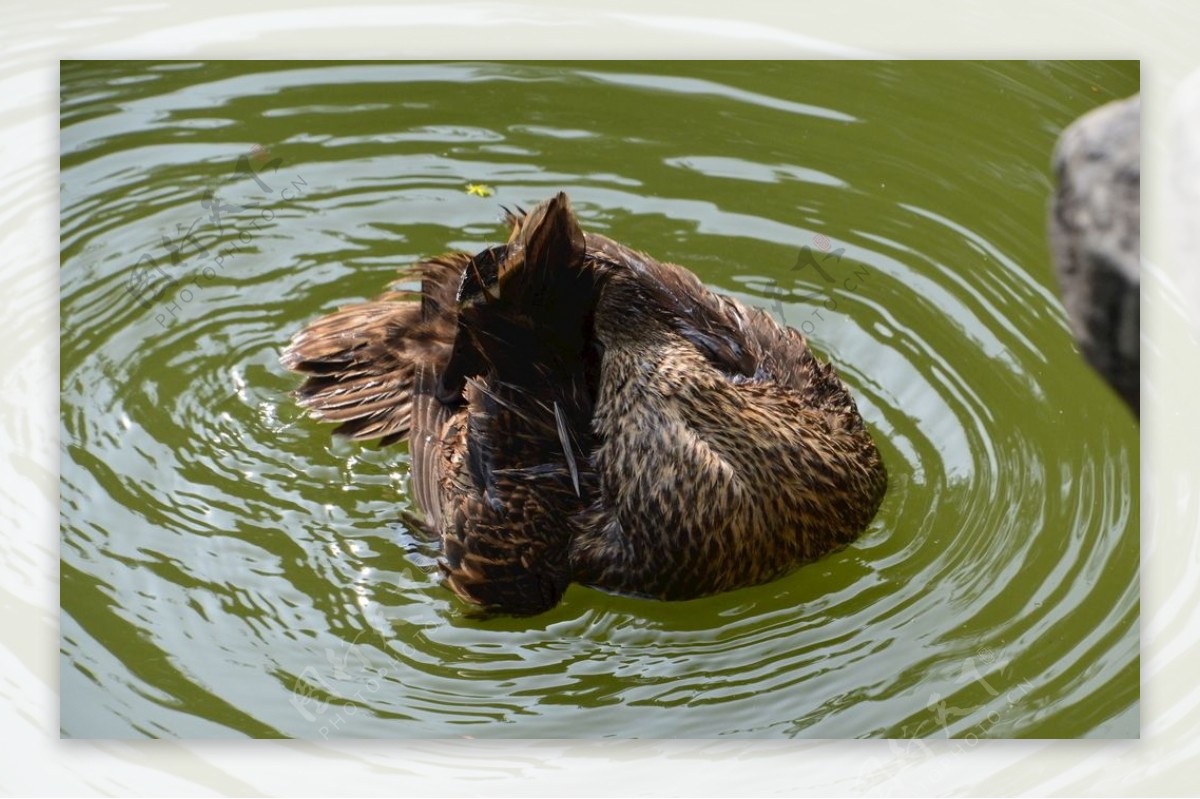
(479, 190)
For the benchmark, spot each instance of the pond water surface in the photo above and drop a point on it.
(228, 569)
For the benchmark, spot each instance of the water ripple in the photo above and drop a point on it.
(230, 569)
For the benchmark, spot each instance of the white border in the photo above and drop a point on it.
(35, 36)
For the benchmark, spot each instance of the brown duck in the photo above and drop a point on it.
(576, 410)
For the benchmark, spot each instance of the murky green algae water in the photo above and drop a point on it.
(230, 570)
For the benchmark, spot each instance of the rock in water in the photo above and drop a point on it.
(1095, 236)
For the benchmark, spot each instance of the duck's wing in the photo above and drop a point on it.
(360, 361)
(513, 558)
(506, 535)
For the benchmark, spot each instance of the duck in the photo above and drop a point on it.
(577, 411)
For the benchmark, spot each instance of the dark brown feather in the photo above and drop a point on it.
(360, 360)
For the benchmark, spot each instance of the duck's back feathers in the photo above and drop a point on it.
(743, 343)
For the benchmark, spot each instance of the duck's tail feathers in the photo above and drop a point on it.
(361, 360)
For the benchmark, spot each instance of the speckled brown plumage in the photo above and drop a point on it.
(578, 411)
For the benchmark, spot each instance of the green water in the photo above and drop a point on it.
(230, 570)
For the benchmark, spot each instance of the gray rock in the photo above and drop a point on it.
(1095, 236)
